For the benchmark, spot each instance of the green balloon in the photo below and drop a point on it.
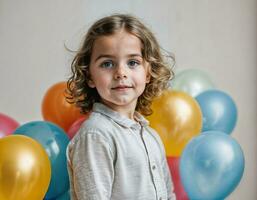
(192, 81)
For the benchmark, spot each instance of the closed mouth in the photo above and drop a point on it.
(122, 87)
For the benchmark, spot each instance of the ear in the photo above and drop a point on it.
(91, 83)
(148, 77)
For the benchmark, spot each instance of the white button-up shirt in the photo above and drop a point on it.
(113, 157)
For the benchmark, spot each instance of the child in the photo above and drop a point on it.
(116, 74)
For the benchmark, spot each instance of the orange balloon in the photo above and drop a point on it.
(56, 109)
(25, 169)
(177, 118)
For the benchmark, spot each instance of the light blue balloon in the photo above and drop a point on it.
(54, 141)
(211, 166)
(219, 111)
(191, 81)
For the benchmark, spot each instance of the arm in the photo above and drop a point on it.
(168, 180)
(91, 168)
(165, 168)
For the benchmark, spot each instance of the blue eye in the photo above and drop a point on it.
(133, 63)
(107, 64)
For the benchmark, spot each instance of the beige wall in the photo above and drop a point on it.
(219, 37)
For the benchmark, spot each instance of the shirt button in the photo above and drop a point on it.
(153, 167)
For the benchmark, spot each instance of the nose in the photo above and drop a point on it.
(120, 72)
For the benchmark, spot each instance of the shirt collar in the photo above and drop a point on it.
(120, 119)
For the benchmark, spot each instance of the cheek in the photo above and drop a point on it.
(141, 77)
(102, 81)
(99, 78)
(141, 83)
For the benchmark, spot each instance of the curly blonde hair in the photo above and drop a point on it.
(78, 90)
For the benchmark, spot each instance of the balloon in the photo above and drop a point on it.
(25, 169)
(211, 166)
(192, 81)
(219, 111)
(76, 125)
(56, 109)
(177, 118)
(54, 140)
(173, 163)
(7, 125)
(65, 196)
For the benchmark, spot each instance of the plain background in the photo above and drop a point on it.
(219, 37)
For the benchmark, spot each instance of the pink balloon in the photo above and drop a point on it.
(7, 125)
(173, 163)
(76, 125)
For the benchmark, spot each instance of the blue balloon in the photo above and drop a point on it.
(54, 141)
(219, 111)
(211, 166)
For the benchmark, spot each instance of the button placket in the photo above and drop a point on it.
(157, 181)
(153, 166)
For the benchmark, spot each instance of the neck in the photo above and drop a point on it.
(127, 111)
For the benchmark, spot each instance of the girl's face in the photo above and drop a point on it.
(118, 71)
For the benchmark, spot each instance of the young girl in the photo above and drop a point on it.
(116, 74)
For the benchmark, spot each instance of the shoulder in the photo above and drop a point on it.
(154, 133)
(97, 125)
(156, 137)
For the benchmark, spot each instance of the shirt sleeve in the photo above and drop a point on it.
(169, 183)
(91, 168)
(166, 171)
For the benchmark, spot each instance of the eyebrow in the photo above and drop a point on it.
(111, 56)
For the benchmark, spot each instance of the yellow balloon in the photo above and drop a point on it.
(177, 118)
(25, 169)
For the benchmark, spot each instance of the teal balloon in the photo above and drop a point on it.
(54, 141)
(192, 81)
(64, 196)
(211, 166)
(219, 111)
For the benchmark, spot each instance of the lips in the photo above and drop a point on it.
(120, 87)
